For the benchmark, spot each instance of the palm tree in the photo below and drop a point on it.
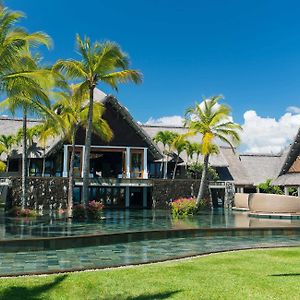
(2, 165)
(212, 121)
(190, 151)
(166, 138)
(20, 77)
(6, 144)
(178, 146)
(72, 113)
(197, 150)
(99, 62)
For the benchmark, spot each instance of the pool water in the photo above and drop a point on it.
(127, 221)
(236, 227)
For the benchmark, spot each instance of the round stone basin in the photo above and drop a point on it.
(269, 203)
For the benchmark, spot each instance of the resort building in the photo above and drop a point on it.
(124, 171)
(289, 172)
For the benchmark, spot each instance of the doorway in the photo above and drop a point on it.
(218, 197)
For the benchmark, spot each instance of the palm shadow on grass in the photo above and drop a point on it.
(158, 296)
(285, 275)
(32, 293)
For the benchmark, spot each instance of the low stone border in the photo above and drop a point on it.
(57, 243)
(117, 266)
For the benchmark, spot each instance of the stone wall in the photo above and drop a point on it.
(51, 192)
(43, 193)
(164, 191)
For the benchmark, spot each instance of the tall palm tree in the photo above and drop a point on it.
(72, 113)
(190, 151)
(212, 121)
(178, 146)
(197, 150)
(6, 144)
(30, 101)
(2, 165)
(99, 62)
(166, 138)
(20, 79)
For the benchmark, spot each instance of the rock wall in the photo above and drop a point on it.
(164, 191)
(43, 193)
(47, 193)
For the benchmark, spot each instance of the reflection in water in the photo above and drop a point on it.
(126, 220)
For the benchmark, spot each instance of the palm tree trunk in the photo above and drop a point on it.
(166, 169)
(175, 167)
(71, 176)
(86, 159)
(44, 163)
(7, 163)
(24, 160)
(203, 179)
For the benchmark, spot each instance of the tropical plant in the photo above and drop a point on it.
(94, 210)
(71, 113)
(2, 165)
(79, 212)
(184, 207)
(178, 146)
(268, 188)
(6, 144)
(99, 62)
(212, 121)
(21, 79)
(165, 138)
(195, 171)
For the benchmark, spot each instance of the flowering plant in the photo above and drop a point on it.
(94, 209)
(184, 207)
(79, 212)
(17, 211)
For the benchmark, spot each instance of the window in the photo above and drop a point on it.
(136, 164)
(36, 166)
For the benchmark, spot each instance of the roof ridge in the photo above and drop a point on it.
(4, 118)
(162, 126)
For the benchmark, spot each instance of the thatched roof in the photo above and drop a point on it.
(214, 160)
(236, 168)
(260, 167)
(12, 125)
(292, 154)
(288, 179)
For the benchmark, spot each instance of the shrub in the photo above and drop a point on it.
(79, 212)
(268, 188)
(17, 211)
(94, 209)
(195, 171)
(184, 207)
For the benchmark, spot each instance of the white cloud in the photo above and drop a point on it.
(268, 135)
(293, 109)
(166, 121)
(260, 134)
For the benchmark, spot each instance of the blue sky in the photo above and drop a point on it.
(249, 51)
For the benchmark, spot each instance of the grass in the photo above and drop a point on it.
(252, 274)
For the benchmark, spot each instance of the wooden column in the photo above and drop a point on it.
(127, 197)
(286, 190)
(145, 173)
(127, 162)
(145, 197)
(65, 161)
(81, 157)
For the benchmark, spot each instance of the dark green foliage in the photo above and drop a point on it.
(267, 188)
(195, 171)
(78, 212)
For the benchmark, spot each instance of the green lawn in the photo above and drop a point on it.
(254, 274)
